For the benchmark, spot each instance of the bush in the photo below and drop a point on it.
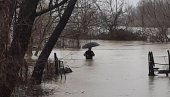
(122, 35)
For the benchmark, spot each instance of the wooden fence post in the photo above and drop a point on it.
(151, 64)
(168, 59)
(56, 64)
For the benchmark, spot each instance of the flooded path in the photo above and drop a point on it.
(119, 69)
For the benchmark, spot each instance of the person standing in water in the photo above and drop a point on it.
(89, 54)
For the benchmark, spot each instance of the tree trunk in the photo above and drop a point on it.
(29, 50)
(22, 34)
(6, 13)
(40, 64)
(23, 28)
(4, 91)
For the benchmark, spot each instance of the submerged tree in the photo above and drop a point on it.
(40, 64)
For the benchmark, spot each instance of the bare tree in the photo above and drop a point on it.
(155, 15)
(40, 64)
(83, 22)
(110, 14)
(21, 36)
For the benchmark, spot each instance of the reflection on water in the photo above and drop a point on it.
(159, 86)
(89, 62)
(119, 69)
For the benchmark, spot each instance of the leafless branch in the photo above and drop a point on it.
(51, 8)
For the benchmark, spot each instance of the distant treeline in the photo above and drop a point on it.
(119, 35)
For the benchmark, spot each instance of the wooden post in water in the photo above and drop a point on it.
(56, 64)
(60, 68)
(151, 64)
(169, 60)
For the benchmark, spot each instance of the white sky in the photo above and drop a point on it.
(133, 2)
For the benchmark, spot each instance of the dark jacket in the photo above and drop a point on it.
(89, 54)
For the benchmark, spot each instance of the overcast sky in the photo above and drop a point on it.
(133, 2)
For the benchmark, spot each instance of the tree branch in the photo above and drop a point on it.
(43, 57)
(51, 8)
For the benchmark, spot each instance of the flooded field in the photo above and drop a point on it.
(119, 69)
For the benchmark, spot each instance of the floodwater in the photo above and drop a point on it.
(119, 69)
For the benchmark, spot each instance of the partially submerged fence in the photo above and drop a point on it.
(60, 69)
(152, 65)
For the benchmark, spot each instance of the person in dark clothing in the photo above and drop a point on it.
(89, 54)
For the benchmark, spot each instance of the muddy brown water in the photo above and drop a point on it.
(119, 69)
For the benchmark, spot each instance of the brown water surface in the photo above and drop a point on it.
(119, 69)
